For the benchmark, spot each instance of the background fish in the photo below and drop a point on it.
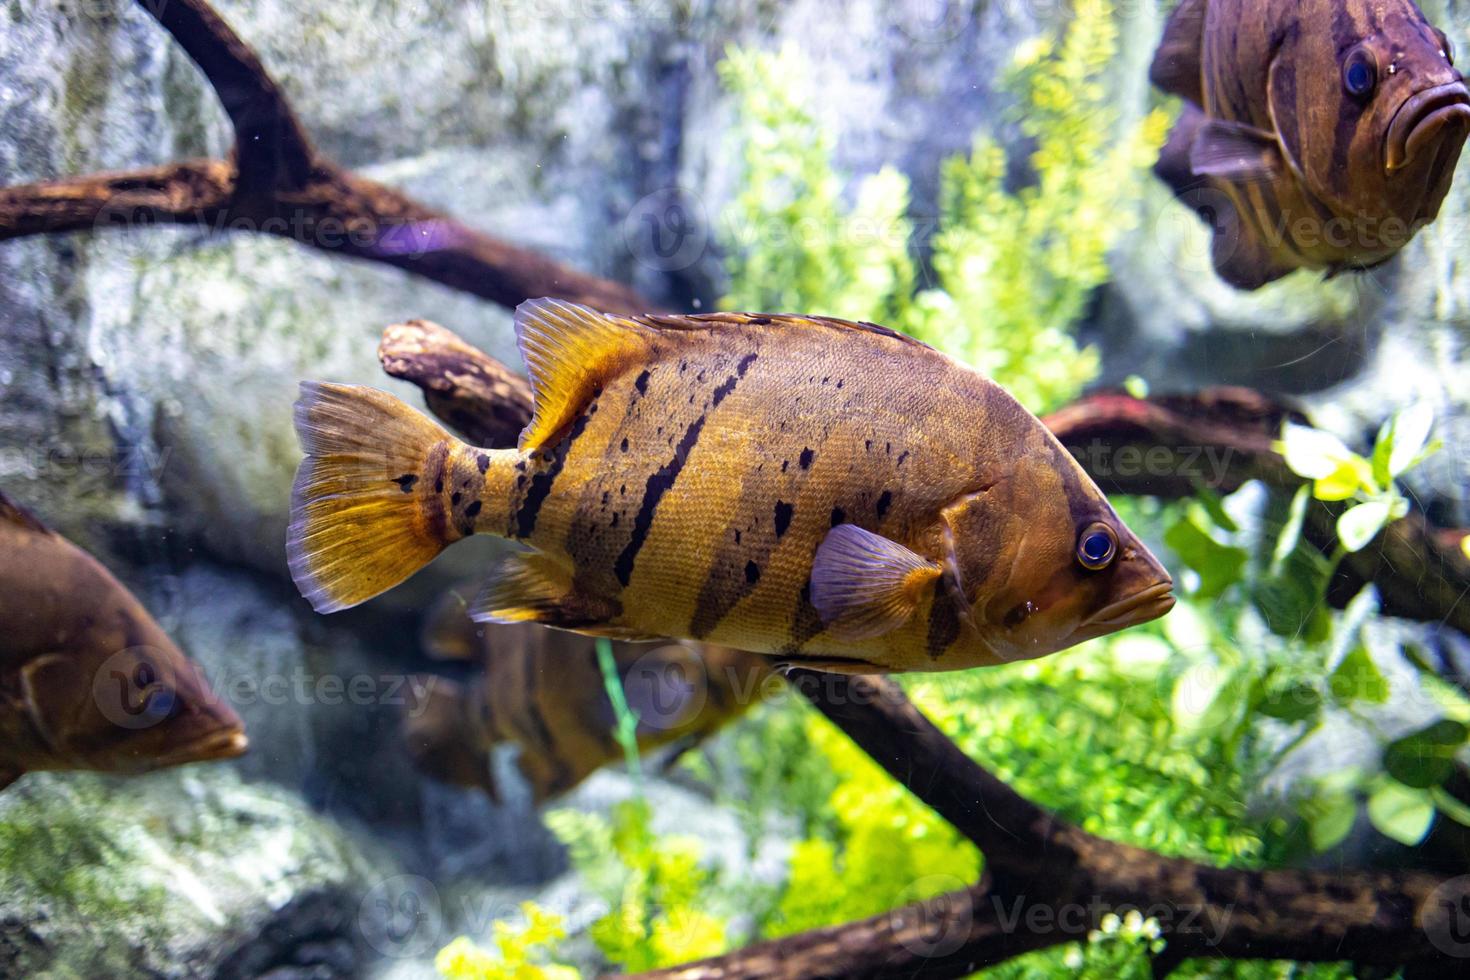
(88, 680)
(831, 493)
(1320, 134)
(542, 691)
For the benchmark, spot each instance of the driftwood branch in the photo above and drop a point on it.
(279, 184)
(1046, 881)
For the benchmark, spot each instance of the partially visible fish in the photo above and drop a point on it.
(88, 680)
(1316, 134)
(542, 691)
(834, 494)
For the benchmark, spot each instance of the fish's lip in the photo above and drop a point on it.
(1141, 607)
(225, 745)
(1422, 116)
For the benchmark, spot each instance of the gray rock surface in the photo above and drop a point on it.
(146, 377)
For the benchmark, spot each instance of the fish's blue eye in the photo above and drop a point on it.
(1360, 76)
(1096, 547)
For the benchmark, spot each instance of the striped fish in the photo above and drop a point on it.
(88, 680)
(1316, 134)
(542, 691)
(833, 494)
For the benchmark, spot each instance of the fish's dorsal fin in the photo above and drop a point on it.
(1176, 67)
(569, 351)
(1237, 153)
(708, 321)
(864, 585)
(13, 513)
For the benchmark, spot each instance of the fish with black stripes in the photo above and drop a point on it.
(832, 494)
(1316, 134)
(542, 691)
(89, 680)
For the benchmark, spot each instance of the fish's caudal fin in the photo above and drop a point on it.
(381, 492)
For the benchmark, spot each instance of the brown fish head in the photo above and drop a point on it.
(1042, 562)
(1376, 136)
(130, 706)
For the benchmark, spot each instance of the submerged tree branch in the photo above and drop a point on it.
(1048, 882)
(279, 184)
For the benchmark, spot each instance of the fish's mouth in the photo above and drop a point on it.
(1422, 117)
(1149, 604)
(215, 748)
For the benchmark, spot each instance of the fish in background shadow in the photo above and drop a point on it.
(1316, 134)
(833, 494)
(542, 690)
(88, 680)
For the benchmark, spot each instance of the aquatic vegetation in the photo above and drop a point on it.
(1013, 268)
(656, 888)
(524, 952)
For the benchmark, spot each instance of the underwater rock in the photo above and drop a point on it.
(181, 874)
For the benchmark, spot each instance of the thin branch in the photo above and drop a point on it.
(1048, 882)
(279, 185)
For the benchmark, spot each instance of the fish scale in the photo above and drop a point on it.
(829, 493)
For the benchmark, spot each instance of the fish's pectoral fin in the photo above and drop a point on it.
(1173, 166)
(1236, 152)
(448, 632)
(864, 585)
(532, 588)
(569, 351)
(1239, 255)
(441, 736)
(1177, 61)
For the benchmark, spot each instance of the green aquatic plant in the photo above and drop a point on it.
(526, 952)
(656, 887)
(1013, 267)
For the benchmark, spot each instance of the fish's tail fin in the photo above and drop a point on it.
(442, 739)
(372, 501)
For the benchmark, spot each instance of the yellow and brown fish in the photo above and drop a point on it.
(834, 494)
(88, 680)
(542, 691)
(1316, 134)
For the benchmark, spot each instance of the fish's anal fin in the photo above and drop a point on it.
(1173, 166)
(569, 351)
(442, 739)
(864, 585)
(532, 588)
(1236, 152)
(13, 513)
(1176, 67)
